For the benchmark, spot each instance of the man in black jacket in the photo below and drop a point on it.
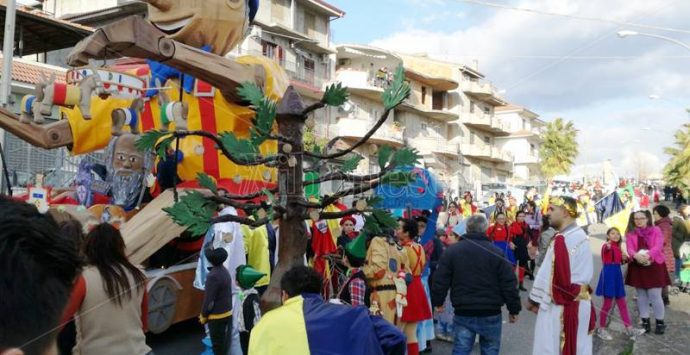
(481, 281)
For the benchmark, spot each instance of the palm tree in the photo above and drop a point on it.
(559, 148)
(677, 170)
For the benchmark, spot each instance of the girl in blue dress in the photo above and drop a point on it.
(611, 285)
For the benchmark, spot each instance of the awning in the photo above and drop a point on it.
(37, 32)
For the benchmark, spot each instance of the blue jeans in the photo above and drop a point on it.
(467, 329)
(679, 267)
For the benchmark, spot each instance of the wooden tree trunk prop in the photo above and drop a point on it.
(293, 235)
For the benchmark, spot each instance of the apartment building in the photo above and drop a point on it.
(523, 142)
(297, 34)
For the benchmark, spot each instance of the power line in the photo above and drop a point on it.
(576, 17)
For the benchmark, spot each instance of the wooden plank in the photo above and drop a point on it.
(48, 136)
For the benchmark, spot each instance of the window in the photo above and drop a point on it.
(308, 71)
(424, 126)
(487, 110)
(423, 95)
(487, 139)
(273, 51)
(438, 100)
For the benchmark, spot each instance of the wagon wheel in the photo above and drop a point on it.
(162, 303)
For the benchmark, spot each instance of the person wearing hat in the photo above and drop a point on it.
(247, 277)
(348, 233)
(216, 310)
(354, 291)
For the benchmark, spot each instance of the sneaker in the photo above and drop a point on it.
(604, 334)
(632, 333)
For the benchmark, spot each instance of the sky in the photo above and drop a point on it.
(557, 66)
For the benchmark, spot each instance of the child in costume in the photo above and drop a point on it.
(247, 277)
(611, 285)
(417, 308)
(217, 306)
(355, 291)
(519, 238)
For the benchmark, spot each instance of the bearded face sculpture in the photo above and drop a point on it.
(127, 168)
(220, 24)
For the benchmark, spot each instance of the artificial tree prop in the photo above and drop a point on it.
(196, 210)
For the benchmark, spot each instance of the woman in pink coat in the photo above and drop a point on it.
(647, 271)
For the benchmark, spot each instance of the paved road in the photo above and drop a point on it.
(185, 338)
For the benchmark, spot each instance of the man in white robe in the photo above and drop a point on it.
(561, 294)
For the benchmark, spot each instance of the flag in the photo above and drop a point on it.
(613, 212)
(307, 325)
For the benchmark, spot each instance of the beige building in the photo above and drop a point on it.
(524, 142)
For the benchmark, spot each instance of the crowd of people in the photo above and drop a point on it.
(397, 291)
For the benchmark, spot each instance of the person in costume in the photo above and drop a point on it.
(561, 296)
(450, 218)
(216, 309)
(355, 291)
(250, 312)
(519, 239)
(499, 208)
(611, 285)
(467, 205)
(418, 308)
(385, 260)
(305, 324)
(256, 243)
(647, 270)
(512, 209)
(498, 233)
(347, 231)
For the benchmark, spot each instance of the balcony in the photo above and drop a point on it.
(527, 159)
(483, 91)
(356, 128)
(359, 83)
(439, 115)
(306, 80)
(486, 122)
(437, 146)
(486, 152)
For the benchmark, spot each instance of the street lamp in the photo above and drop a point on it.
(627, 33)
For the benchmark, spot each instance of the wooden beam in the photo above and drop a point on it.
(136, 37)
(48, 136)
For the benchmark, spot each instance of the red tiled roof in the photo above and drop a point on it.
(29, 72)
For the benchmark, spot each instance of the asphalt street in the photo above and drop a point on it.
(517, 338)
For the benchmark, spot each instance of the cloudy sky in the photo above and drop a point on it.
(571, 66)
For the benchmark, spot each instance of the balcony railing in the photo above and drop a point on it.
(354, 127)
(297, 72)
(481, 88)
(436, 145)
(485, 121)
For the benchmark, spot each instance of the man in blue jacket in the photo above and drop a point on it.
(481, 281)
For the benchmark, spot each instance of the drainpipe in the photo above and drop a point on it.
(8, 52)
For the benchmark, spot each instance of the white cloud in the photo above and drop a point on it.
(605, 97)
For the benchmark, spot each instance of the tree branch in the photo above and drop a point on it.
(249, 196)
(313, 107)
(362, 141)
(341, 214)
(329, 200)
(241, 220)
(339, 175)
(259, 161)
(240, 205)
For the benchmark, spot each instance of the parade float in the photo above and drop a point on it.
(186, 132)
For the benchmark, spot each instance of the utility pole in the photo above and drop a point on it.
(6, 79)
(8, 53)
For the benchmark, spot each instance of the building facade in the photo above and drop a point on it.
(524, 142)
